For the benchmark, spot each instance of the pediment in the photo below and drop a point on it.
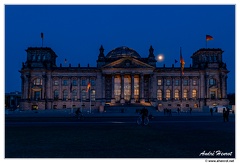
(127, 63)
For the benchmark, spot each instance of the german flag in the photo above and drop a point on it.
(208, 37)
(182, 63)
(88, 86)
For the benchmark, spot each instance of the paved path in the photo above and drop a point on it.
(69, 113)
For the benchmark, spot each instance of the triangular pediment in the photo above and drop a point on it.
(127, 62)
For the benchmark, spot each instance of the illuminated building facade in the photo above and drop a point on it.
(123, 77)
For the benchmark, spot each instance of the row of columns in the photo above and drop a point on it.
(141, 87)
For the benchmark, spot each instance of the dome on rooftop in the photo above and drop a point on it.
(121, 52)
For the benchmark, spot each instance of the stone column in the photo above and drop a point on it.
(113, 98)
(28, 86)
(163, 89)
(60, 88)
(103, 86)
(23, 87)
(122, 89)
(142, 100)
(132, 89)
(79, 87)
(173, 90)
(190, 86)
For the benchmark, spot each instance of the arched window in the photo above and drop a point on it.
(65, 95)
(56, 94)
(168, 94)
(185, 94)
(33, 57)
(37, 81)
(93, 81)
(84, 93)
(176, 94)
(74, 82)
(194, 82)
(177, 82)
(55, 81)
(84, 82)
(74, 94)
(212, 81)
(194, 93)
(159, 94)
(93, 95)
(168, 82)
(64, 81)
(185, 82)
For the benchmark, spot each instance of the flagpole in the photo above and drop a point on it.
(71, 98)
(72, 104)
(42, 38)
(90, 101)
(81, 100)
(181, 76)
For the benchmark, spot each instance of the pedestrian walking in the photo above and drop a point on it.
(227, 114)
(211, 111)
(178, 110)
(190, 110)
(224, 114)
(170, 112)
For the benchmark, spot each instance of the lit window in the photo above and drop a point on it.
(93, 95)
(55, 82)
(176, 94)
(194, 83)
(185, 93)
(159, 94)
(37, 81)
(159, 81)
(195, 106)
(194, 93)
(168, 94)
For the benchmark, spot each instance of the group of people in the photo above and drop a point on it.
(169, 111)
(226, 114)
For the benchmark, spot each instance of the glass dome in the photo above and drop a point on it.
(121, 52)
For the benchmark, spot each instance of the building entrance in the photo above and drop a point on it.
(127, 88)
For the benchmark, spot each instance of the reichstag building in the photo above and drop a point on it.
(122, 77)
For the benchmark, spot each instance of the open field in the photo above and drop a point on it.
(168, 138)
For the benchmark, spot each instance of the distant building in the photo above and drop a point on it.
(123, 77)
(12, 100)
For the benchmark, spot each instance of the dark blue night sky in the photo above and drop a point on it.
(76, 32)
